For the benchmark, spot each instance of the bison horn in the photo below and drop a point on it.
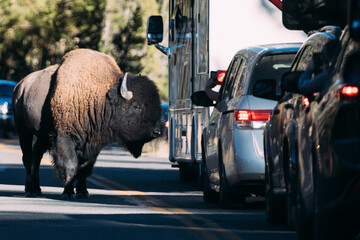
(123, 90)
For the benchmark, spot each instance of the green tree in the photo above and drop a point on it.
(129, 44)
(37, 33)
(87, 20)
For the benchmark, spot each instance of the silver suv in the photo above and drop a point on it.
(232, 142)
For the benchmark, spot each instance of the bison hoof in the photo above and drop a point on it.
(33, 194)
(66, 196)
(82, 195)
(29, 194)
(38, 193)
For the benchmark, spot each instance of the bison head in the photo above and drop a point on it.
(136, 112)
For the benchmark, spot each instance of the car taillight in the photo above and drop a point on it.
(349, 92)
(220, 76)
(306, 101)
(251, 118)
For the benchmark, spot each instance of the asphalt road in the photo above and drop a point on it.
(129, 199)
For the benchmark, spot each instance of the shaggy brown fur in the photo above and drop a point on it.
(82, 82)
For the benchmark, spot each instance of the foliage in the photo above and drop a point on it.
(129, 44)
(37, 33)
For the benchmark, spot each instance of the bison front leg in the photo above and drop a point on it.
(85, 170)
(70, 172)
(66, 163)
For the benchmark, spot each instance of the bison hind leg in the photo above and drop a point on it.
(39, 149)
(31, 159)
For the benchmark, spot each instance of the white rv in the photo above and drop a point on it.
(203, 36)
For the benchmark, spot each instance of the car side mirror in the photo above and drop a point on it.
(200, 98)
(155, 30)
(290, 81)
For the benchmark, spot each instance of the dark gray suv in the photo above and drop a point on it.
(7, 126)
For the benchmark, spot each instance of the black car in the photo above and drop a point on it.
(7, 125)
(280, 135)
(329, 153)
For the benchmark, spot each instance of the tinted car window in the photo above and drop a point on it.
(267, 75)
(239, 79)
(299, 58)
(230, 76)
(344, 42)
(306, 57)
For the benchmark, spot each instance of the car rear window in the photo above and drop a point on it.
(267, 75)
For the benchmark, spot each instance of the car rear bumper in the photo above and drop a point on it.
(244, 163)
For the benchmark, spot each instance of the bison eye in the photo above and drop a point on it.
(137, 108)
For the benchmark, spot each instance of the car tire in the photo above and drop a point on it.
(229, 200)
(291, 209)
(304, 226)
(291, 190)
(209, 195)
(275, 210)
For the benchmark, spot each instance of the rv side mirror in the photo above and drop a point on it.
(310, 15)
(200, 98)
(290, 81)
(155, 30)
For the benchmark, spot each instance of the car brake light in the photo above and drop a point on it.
(252, 115)
(349, 91)
(306, 101)
(220, 76)
(251, 118)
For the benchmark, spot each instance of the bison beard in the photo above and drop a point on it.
(90, 104)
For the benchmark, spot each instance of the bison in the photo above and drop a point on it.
(76, 108)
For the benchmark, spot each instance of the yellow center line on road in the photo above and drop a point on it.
(45, 159)
(3, 147)
(164, 208)
(152, 203)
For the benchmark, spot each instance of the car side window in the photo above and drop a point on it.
(297, 58)
(304, 60)
(229, 81)
(344, 52)
(239, 79)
